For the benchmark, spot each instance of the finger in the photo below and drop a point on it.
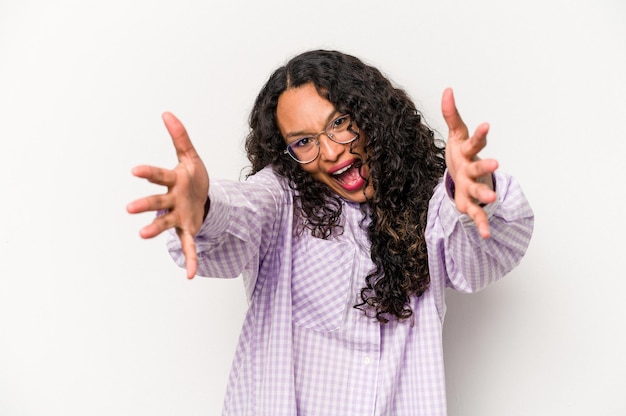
(479, 216)
(150, 203)
(180, 138)
(157, 226)
(477, 142)
(481, 167)
(153, 174)
(450, 113)
(469, 205)
(189, 251)
(479, 189)
(483, 194)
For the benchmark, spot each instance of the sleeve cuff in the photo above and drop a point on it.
(216, 220)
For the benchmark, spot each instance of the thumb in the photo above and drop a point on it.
(189, 251)
(450, 113)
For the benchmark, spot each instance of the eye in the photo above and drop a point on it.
(340, 123)
(303, 142)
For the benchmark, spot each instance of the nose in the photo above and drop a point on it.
(330, 150)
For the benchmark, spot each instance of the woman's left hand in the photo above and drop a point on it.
(472, 176)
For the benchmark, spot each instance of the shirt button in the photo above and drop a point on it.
(367, 361)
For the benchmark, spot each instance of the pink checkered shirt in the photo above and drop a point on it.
(304, 349)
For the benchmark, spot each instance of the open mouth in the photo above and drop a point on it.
(349, 177)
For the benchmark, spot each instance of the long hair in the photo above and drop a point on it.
(404, 159)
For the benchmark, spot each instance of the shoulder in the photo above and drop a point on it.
(269, 180)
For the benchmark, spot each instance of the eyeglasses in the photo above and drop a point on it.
(306, 149)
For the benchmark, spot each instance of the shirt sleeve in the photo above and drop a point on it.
(459, 257)
(240, 228)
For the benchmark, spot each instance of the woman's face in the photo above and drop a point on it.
(303, 112)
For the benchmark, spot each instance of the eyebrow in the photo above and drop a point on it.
(329, 119)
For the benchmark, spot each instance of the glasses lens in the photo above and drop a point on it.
(304, 150)
(339, 130)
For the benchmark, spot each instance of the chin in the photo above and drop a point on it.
(358, 196)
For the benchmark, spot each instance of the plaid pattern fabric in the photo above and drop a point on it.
(303, 348)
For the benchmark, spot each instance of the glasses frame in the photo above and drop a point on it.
(316, 137)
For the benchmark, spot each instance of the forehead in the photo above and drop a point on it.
(303, 110)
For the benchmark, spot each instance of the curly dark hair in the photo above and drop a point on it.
(404, 158)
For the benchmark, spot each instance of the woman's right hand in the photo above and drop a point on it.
(187, 192)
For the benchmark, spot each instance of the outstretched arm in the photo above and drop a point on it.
(471, 175)
(184, 202)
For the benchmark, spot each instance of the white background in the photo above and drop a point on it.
(96, 321)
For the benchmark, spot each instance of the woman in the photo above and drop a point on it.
(353, 221)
